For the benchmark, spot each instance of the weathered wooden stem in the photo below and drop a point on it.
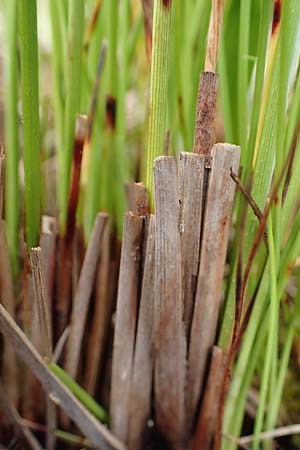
(219, 203)
(142, 369)
(209, 408)
(126, 322)
(169, 335)
(190, 177)
(82, 297)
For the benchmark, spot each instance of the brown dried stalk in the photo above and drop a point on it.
(42, 303)
(137, 198)
(205, 129)
(125, 327)
(219, 203)
(143, 363)
(214, 34)
(99, 436)
(101, 317)
(209, 407)
(190, 177)
(48, 241)
(169, 336)
(82, 296)
(204, 137)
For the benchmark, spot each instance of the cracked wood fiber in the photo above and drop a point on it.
(169, 338)
(219, 203)
(209, 406)
(191, 175)
(83, 295)
(99, 436)
(125, 327)
(142, 371)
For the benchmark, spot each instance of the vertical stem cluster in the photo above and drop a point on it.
(159, 84)
(31, 121)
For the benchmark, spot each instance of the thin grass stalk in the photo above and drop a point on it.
(31, 120)
(273, 317)
(12, 194)
(265, 17)
(75, 46)
(58, 62)
(158, 86)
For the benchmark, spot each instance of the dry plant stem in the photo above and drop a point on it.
(126, 320)
(101, 317)
(191, 174)
(48, 242)
(148, 19)
(83, 295)
(16, 421)
(209, 408)
(278, 432)
(9, 368)
(60, 344)
(219, 203)
(205, 134)
(142, 370)
(137, 198)
(169, 336)
(62, 304)
(42, 302)
(214, 34)
(99, 436)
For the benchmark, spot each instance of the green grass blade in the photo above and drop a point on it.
(31, 120)
(80, 393)
(73, 84)
(159, 85)
(12, 188)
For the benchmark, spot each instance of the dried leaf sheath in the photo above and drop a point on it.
(142, 370)
(209, 408)
(101, 317)
(169, 337)
(190, 177)
(126, 320)
(82, 296)
(218, 211)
